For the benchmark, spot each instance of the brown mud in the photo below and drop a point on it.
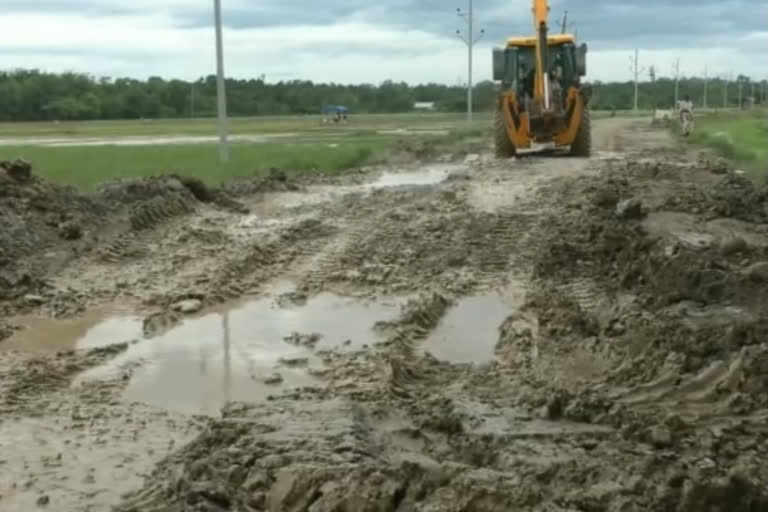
(447, 332)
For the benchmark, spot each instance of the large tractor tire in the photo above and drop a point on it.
(582, 144)
(503, 147)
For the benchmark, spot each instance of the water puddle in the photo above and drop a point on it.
(470, 330)
(243, 353)
(138, 140)
(425, 176)
(255, 224)
(98, 327)
(415, 131)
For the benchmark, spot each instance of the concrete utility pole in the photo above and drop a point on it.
(725, 91)
(220, 91)
(741, 102)
(470, 42)
(192, 100)
(636, 70)
(677, 81)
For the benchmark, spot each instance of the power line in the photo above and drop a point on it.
(470, 41)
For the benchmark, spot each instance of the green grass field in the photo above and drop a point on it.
(303, 146)
(85, 167)
(238, 125)
(741, 138)
(292, 144)
(254, 125)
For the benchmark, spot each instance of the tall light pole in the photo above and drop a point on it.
(741, 89)
(470, 42)
(221, 93)
(636, 70)
(677, 81)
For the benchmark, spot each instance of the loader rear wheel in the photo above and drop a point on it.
(582, 144)
(503, 147)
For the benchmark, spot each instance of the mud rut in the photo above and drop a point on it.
(631, 375)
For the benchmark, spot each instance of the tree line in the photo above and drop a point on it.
(32, 95)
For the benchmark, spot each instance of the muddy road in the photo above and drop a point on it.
(443, 333)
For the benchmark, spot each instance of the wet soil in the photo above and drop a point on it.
(446, 333)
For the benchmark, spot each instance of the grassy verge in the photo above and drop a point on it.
(86, 166)
(236, 125)
(741, 138)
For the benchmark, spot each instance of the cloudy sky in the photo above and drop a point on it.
(369, 41)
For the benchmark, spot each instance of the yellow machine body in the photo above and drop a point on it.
(541, 98)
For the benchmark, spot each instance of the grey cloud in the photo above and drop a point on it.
(604, 24)
(66, 6)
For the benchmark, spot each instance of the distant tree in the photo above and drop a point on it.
(35, 95)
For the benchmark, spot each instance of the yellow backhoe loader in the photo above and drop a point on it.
(540, 96)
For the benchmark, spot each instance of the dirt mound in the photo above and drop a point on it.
(420, 150)
(665, 278)
(39, 216)
(133, 190)
(650, 334)
(730, 196)
(274, 181)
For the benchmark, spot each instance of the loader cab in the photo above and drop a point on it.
(513, 66)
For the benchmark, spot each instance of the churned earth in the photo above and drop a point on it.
(446, 332)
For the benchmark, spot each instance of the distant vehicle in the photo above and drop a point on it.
(424, 105)
(338, 111)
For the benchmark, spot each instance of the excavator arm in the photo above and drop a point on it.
(541, 81)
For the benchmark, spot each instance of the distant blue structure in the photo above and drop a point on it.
(335, 109)
(339, 113)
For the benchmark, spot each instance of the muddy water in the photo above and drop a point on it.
(237, 354)
(470, 330)
(137, 140)
(98, 327)
(425, 176)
